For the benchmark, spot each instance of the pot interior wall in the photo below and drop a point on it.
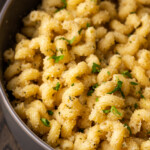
(11, 24)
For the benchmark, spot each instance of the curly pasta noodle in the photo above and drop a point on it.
(80, 74)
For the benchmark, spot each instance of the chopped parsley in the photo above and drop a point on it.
(64, 5)
(125, 125)
(148, 132)
(133, 83)
(118, 88)
(45, 122)
(108, 73)
(57, 86)
(51, 50)
(57, 58)
(72, 84)
(92, 89)
(126, 74)
(129, 35)
(106, 111)
(60, 49)
(80, 31)
(50, 112)
(135, 105)
(96, 68)
(70, 98)
(69, 41)
(141, 95)
(88, 25)
(114, 110)
(72, 40)
(97, 99)
(77, 77)
(132, 12)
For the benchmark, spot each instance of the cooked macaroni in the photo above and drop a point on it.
(80, 74)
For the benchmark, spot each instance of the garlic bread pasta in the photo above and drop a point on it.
(79, 74)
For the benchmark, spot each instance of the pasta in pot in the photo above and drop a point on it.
(80, 74)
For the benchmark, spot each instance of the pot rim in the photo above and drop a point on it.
(6, 102)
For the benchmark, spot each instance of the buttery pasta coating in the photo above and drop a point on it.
(79, 74)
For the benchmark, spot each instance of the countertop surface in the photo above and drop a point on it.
(7, 141)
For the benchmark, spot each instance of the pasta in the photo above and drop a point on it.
(79, 74)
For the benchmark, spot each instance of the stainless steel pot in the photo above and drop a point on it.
(10, 23)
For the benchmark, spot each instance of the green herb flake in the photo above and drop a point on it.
(64, 6)
(133, 83)
(64, 2)
(72, 84)
(135, 105)
(80, 31)
(132, 12)
(45, 122)
(57, 58)
(50, 50)
(57, 86)
(96, 68)
(69, 41)
(118, 88)
(126, 126)
(50, 112)
(60, 49)
(106, 111)
(92, 89)
(88, 25)
(77, 77)
(141, 95)
(97, 99)
(126, 74)
(108, 73)
(70, 98)
(72, 40)
(129, 35)
(148, 132)
(114, 110)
